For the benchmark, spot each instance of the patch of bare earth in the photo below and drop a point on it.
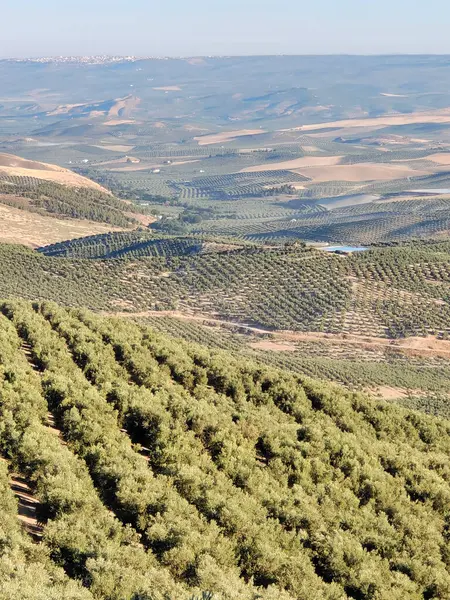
(387, 95)
(388, 393)
(298, 163)
(360, 172)
(168, 88)
(226, 136)
(312, 149)
(440, 158)
(143, 219)
(123, 107)
(435, 116)
(219, 247)
(30, 229)
(190, 127)
(51, 426)
(114, 122)
(63, 109)
(115, 147)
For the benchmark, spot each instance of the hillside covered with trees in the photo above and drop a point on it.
(55, 199)
(387, 291)
(165, 470)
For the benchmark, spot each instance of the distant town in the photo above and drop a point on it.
(104, 59)
(90, 60)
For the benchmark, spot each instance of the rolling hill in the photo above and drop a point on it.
(387, 291)
(377, 320)
(50, 191)
(14, 166)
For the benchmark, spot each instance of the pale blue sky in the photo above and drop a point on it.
(202, 27)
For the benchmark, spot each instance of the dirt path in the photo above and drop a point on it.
(416, 346)
(52, 427)
(27, 504)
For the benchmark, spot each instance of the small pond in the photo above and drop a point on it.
(343, 248)
(431, 191)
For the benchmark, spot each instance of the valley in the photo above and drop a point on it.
(194, 218)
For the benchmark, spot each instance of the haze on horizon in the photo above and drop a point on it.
(231, 27)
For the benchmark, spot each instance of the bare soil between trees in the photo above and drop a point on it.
(26, 506)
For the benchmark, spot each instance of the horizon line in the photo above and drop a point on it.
(137, 57)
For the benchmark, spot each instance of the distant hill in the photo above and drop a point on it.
(267, 92)
(385, 292)
(53, 191)
(258, 89)
(139, 244)
(15, 166)
(119, 107)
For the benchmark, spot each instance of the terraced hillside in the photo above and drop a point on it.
(161, 469)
